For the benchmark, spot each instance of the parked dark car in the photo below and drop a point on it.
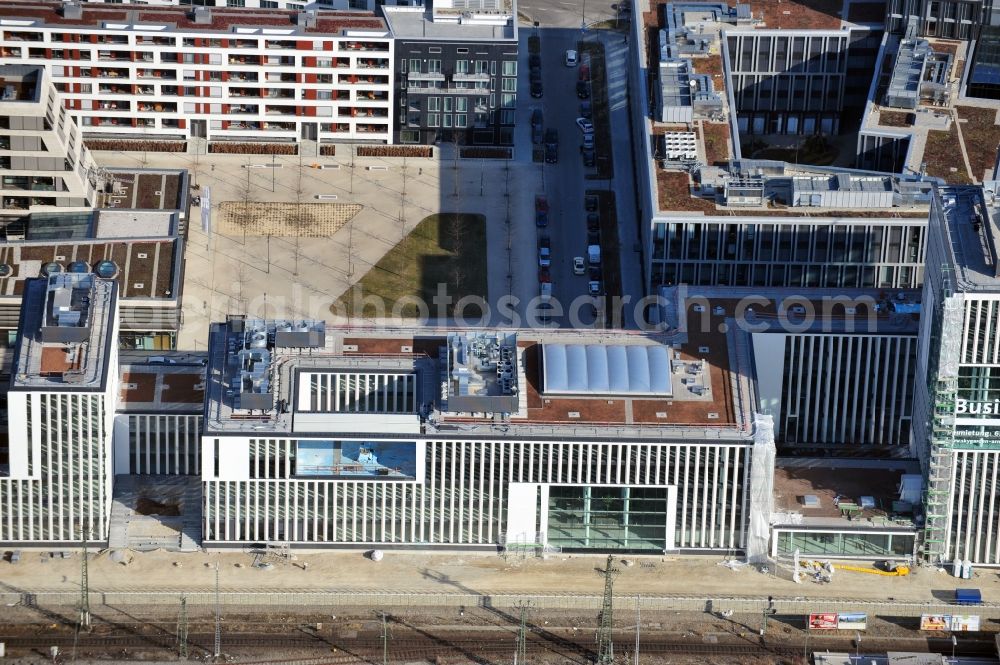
(541, 211)
(590, 202)
(593, 221)
(534, 61)
(551, 146)
(536, 89)
(536, 126)
(589, 157)
(586, 111)
(593, 238)
(583, 90)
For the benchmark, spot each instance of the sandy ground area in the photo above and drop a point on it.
(470, 573)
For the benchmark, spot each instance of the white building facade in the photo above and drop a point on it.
(44, 161)
(320, 443)
(60, 406)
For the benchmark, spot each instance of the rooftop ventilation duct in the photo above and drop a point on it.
(202, 15)
(306, 19)
(72, 11)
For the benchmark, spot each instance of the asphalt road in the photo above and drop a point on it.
(564, 182)
(566, 13)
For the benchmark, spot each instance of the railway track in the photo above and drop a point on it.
(415, 646)
(421, 644)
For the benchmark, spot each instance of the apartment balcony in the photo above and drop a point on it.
(145, 123)
(362, 79)
(114, 56)
(170, 57)
(471, 77)
(243, 109)
(10, 52)
(4, 143)
(244, 59)
(157, 107)
(340, 127)
(112, 39)
(286, 44)
(245, 43)
(107, 122)
(244, 92)
(111, 89)
(16, 203)
(112, 105)
(243, 77)
(28, 183)
(364, 46)
(280, 110)
(372, 63)
(328, 63)
(144, 56)
(278, 77)
(5, 163)
(279, 61)
(367, 128)
(202, 42)
(279, 93)
(37, 201)
(165, 74)
(363, 112)
(371, 95)
(279, 126)
(171, 123)
(109, 72)
(244, 125)
(155, 41)
(20, 36)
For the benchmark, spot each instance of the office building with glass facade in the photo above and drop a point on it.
(956, 402)
(55, 482)
(474, 440)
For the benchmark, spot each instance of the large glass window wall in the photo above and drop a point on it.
(846, 544)
(608, 518)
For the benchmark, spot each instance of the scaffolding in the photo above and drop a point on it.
(943, 390)
(761, 489)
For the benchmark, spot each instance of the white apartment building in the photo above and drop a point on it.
(223, 75)
(44, 161)
(60, 407)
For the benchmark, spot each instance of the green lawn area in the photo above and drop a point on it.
(448, 248)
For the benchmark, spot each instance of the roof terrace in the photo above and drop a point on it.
(67, 328)
(969, 218)
(524, 383)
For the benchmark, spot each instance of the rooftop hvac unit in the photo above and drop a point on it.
(72, 11)
(202, 15)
